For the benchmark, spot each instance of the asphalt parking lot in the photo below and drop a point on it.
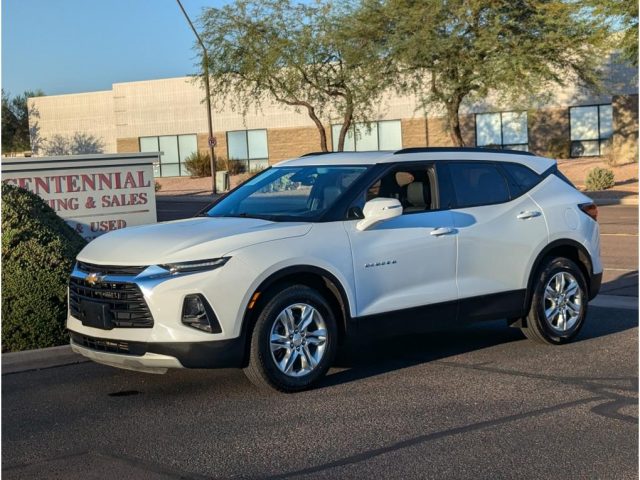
(482, 402)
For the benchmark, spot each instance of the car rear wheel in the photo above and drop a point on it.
(559, 304)
(293, 342)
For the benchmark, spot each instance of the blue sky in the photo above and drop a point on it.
(68, 46)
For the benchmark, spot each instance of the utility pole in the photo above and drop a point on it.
(205, 65)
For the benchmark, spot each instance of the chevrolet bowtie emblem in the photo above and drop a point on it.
(94, 278)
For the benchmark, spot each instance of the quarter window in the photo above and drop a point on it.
(249, 147)
(175, 150)
(478, 184)
(524, 177)
(362, 137)
(591, 130)
(502, 130)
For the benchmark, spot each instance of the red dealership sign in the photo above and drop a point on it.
(93, 193)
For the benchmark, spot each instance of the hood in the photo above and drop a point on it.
(184, 240)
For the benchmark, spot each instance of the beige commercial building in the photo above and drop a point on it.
(169, 115)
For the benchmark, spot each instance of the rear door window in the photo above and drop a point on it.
(478, 183)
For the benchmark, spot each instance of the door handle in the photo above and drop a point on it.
(436, 232)
(528, 214)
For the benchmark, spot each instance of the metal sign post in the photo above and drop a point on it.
(205, 67)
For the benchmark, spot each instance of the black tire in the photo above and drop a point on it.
(262, 370)
(538, 328)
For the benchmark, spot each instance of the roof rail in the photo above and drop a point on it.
(460, 149)
(311, 154)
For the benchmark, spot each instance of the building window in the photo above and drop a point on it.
(502, 130)
(175, 150)
(591, 130)
(362, 137)
(249, 147)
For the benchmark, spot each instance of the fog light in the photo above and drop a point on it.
(197, 313)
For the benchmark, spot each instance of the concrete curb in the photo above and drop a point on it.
(16, 362)
(616, 201)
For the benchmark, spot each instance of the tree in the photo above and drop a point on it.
(621, 17)
(309, 57)
(16, 133)
(78, 144)
(9, 124)
(449, 52)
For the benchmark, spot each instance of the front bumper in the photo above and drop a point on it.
(158, 357)
(226, 289)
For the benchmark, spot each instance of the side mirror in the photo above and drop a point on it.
(379, 210)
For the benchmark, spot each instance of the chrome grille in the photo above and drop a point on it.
(110, 269)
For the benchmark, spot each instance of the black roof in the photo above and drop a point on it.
(441, 149)
(461, 149)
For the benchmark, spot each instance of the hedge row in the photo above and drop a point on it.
(38, 251)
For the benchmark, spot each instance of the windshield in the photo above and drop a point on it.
(288, 193)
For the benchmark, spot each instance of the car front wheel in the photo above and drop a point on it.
(559, 304)
(293, 342)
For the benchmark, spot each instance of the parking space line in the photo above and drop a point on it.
(618, 234)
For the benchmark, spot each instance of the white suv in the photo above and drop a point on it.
(279, 272)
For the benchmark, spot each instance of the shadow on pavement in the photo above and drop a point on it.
(372, 357)
(626, 284)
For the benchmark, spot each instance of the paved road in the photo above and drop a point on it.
(619, 240)
(480, 403)
(175, 209)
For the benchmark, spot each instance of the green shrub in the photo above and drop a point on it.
(600, 179)
(236, 167)
(198, 164)
(158, 186)
(38, 251)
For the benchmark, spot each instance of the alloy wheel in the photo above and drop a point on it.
(298, 339)
(562, 301)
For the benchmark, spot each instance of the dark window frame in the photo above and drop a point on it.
(502, 145)
(157, 137)
(600, 139)
(248, 160)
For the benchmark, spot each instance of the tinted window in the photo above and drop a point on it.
(524, 177)
(478, 184)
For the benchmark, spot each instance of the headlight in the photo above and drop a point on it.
(195, 266)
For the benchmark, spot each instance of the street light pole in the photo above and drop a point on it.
(205, 65)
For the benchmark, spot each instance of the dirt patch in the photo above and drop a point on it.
(626, 176)
(184, 186)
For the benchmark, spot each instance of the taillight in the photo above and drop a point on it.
(590, 209)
